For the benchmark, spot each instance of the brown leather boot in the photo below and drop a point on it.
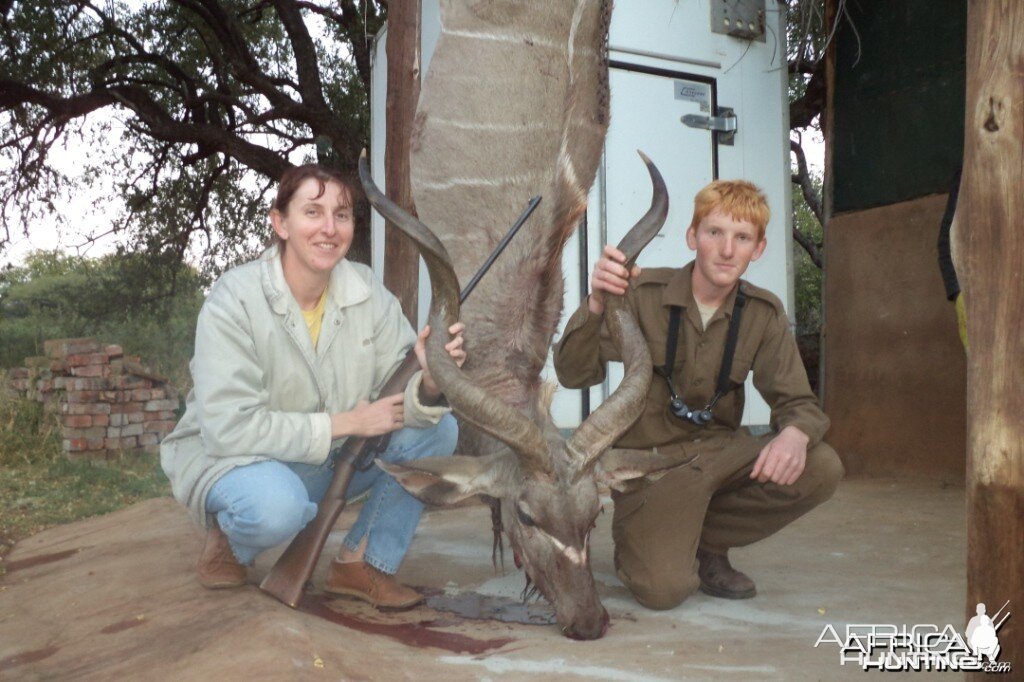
(217, 566)
(719, 579)
(361, 580)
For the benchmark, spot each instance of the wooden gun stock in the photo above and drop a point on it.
(290, 573)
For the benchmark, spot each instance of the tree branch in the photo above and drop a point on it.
(804, 110)
(802, 178)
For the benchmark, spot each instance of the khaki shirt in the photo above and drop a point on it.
(766, 346)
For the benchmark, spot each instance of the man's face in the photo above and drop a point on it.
(725, 246)
(317, 231)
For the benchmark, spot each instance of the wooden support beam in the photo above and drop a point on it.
(401, 260)
(991, 254)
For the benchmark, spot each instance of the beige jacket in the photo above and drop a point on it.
(261, 391)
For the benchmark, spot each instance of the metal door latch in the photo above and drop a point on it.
(725, 124)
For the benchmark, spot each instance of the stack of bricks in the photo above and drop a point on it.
(107, 402)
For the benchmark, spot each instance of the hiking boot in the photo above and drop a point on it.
(361, 580)
(719, 579)
(218, 568)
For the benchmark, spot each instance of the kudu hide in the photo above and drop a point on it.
(516, 104)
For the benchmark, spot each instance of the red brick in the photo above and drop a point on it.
(100, 419)
(77, 396)
(129, 442)
(86, 359)
(161, 415)
(112, 396)
(142, 394)
(162, 427)
(157, 394)
(156, 405)
(75, 444)
(113, 350)
(91, 371)
(148, 439)
(112, 443)
(130, 382)
(77, 420)
(136, 417)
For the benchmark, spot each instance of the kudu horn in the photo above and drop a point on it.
(623, 407)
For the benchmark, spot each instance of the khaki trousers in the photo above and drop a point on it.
(712, 503)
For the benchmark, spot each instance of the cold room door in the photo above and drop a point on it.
(647, 106)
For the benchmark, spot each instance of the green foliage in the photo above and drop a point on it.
(190, 112)
(807, 275)
(39, 487)
(148, 306)
(28, 436)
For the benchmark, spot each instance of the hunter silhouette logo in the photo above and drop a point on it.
(928, 647)
(981, 633)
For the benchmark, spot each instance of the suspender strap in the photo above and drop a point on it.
(671, 341)
(724, 385)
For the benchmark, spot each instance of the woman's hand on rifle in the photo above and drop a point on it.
(367, 419)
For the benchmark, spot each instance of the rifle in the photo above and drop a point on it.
(290, 573)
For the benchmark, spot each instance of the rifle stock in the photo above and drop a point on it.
(287, 578)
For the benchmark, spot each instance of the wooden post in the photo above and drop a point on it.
(401, 260)
(991, 249)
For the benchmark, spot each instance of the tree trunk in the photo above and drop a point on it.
(991, 244)
(401, 260)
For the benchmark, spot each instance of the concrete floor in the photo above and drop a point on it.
(115, 598)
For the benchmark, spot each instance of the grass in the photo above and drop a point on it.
(40, 487)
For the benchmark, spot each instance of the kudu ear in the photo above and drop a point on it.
(618, 465)
(447, 480)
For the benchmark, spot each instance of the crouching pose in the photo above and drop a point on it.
(291, 351)
(706, 329)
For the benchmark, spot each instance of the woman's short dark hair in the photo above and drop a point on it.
(293, 178)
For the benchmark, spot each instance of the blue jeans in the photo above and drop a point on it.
(259, 506)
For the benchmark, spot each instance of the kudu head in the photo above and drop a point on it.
(547, 485)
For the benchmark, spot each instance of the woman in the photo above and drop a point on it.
(291, 351)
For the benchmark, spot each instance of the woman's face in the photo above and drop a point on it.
(317, 231)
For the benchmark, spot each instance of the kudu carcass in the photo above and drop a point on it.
(516, 104)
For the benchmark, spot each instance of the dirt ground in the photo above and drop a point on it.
(115, 597)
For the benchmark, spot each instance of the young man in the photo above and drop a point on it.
(673, 531)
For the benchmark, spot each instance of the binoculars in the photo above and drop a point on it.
(699, 417)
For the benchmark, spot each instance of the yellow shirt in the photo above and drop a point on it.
(314, 317)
